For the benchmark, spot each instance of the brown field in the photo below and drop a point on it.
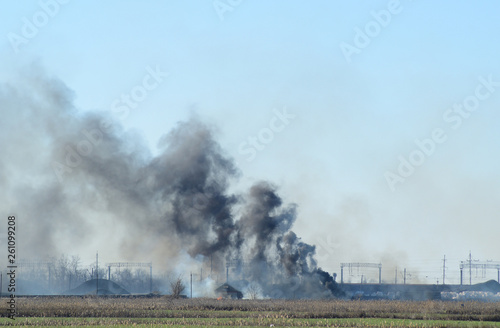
(160, 307)
(246, 312)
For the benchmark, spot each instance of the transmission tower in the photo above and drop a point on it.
(358, 265)
(133, 265)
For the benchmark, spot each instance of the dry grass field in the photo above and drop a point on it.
(132, 311)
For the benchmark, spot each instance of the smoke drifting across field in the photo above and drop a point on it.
(77, 179)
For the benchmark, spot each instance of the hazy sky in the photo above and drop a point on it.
(378, 118)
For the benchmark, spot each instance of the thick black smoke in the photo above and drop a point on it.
(80, 178)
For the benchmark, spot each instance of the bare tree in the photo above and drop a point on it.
(124, 277)
(253, 291)
(76, 276)
(61, 273)
(74, 264)
(177, 286)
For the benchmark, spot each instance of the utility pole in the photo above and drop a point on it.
(444, 268)
(191, 285)
(396, 277)
(470, 268)
(151, 278)
(404, 277)
(230, 264)
(97, 272)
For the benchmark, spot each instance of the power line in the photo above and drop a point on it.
(444, 268)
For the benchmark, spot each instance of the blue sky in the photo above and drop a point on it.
(353, 116)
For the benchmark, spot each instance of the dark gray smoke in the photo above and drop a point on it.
(78, 179)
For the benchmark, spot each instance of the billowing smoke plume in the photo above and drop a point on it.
(74, 177)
